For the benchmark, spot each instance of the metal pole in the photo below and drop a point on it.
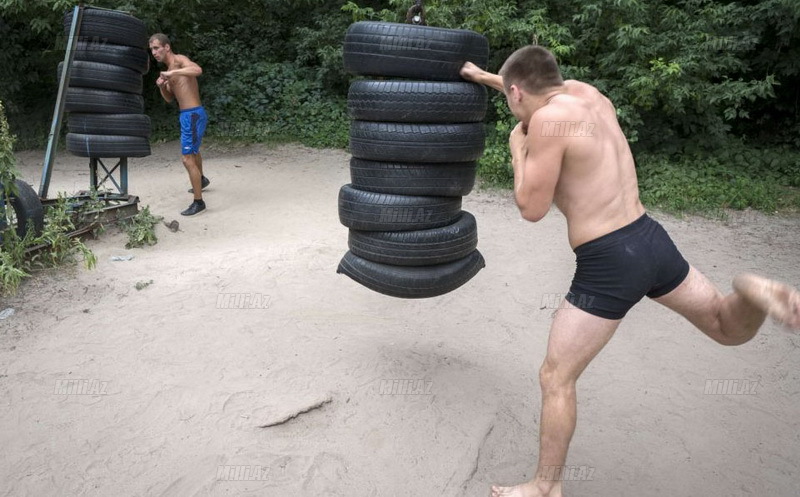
(123, 175)
(93, 173)
(58, 113)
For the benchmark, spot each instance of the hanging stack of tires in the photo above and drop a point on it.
(414, 145)
(104, 97)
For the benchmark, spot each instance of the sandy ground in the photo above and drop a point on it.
(177, 390)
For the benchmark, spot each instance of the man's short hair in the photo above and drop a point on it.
(161, 38)
(532, 68)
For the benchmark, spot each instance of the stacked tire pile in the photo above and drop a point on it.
(104, 97)
(415, 142)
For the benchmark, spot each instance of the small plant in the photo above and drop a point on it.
(141, 229)
(141, 285)
(19, 257)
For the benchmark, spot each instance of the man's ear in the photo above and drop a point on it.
(516, 94)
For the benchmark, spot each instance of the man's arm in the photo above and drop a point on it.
(536, 160)
(166, 91)
(185, 68)
(473, 73)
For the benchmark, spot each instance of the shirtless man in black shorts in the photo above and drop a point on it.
(569, 149)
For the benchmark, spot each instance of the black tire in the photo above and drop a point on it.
(417, 101)
(103, 76)
(390, 142)
(404, 178)
(133, 58)
(107, 146)
(417, 248)
(109, 124)
(109, 26)
(369, 211)
(27, 209)
(409, 51)
(103, 101)
(411, 282)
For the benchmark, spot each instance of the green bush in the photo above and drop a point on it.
(694, 78)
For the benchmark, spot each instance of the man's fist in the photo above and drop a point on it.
(471, 72)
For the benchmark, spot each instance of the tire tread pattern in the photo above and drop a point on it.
(411, 282)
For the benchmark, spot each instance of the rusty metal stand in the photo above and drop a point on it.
(122, 165)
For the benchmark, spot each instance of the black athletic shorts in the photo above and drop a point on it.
(616, 270)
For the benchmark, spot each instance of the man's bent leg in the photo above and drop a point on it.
(733, 319)
(199, 159)
(576, 337)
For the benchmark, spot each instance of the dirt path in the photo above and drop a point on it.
(181, 388)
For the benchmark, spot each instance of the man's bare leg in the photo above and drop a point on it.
(190, 163)
(733, 319)
(576, 337)
(778, 300)
(204, 182)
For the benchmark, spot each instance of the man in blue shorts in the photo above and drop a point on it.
(569, 149)
(179, 82)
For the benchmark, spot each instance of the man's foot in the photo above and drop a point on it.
(780, 301)
(197, 206)
(204, 182)
(525, 490)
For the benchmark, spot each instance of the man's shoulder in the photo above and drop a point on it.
(564, 106)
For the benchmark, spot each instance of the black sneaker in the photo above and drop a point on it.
(197, 206)
(204, 182)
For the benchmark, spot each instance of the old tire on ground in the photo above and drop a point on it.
(417, 101)
(107, 146)
(410, 51)
(109, 124)
(408, 178)
(417, 248)
(103, 76)
(370, 211)
(411, 282)
(401, 142)
(109, 26)
(27, 209)
(92, 100)
(133, 58)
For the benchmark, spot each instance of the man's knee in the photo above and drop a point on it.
(555, 378)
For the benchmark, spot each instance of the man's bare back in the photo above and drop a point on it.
(597, 188)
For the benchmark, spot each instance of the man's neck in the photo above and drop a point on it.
(169, 59)
(539, 101)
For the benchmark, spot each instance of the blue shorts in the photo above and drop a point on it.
(193, 126)
(616, 270)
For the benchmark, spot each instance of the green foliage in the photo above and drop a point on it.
(688, 78)
(706, 183)
(495, 164)
(8, 170)
(282, 101)
(53, 248)
(141, 229)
